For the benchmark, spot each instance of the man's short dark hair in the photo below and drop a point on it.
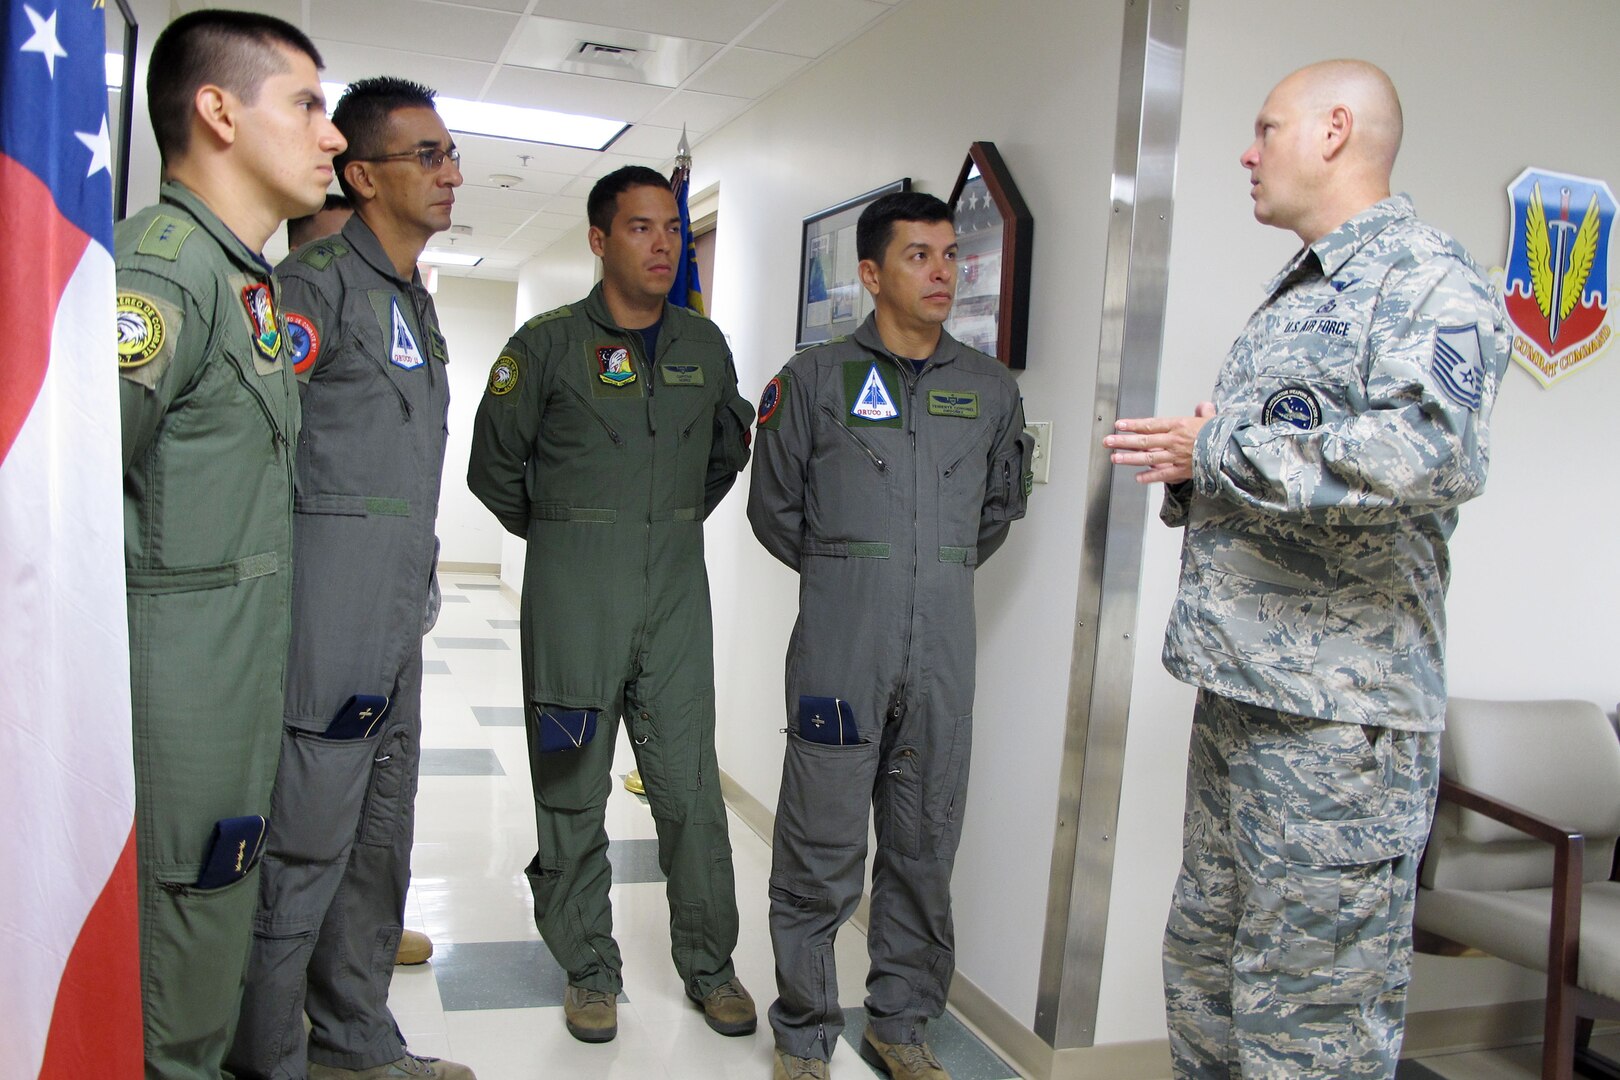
(362, 116)
(603, 202)
(876, 225)
(234, 50)
(298, 226)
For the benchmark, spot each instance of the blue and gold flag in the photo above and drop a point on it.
(687, 290)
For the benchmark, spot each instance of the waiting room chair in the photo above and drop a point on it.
(1521, 861)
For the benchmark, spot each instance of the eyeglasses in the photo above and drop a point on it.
(431, 157)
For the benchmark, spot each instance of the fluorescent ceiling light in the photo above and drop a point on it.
(516, 122)
(448, 258)
(115, 71)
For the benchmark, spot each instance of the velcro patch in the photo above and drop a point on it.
(682, 374)
(963, 403)
(773, 400)
(1293, 405)
(614, 365)
(304, 342)
(321, 253)
(871, 394)
(164, 237)
(503, 375)
(547, 316)
(148, 330)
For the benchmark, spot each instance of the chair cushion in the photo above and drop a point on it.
(1514, 926)
(1559, 760)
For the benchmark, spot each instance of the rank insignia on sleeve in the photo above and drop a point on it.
(261, 312)
(963, 403)
(770, 402)
(503, 375)
(1458, 366)
(140, 331)
(303, 342)
(1292, 405)
(614, 366)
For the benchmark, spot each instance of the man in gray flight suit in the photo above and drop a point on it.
(1318, 490)
(365, 343)
(210, 415)
(609, 430)
(888, 466)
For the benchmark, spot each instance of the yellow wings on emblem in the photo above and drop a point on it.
(1580, 259)
(1538, 251)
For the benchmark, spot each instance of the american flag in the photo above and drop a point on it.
(69, 997)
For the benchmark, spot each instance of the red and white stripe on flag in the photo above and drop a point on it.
(70, 996)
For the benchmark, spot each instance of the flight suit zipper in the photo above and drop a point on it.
(618, 440)
(382, 367)
(867, 450)
(278, 438)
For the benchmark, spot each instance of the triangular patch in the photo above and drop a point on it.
(874, 402)
(403, 352)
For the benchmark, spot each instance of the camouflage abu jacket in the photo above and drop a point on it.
(1351, 423)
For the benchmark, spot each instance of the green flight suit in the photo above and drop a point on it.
(210, 413)
(607, 462)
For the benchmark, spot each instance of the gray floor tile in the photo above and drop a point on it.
(503, 624)
(498, 715)
(498, 644)
(435, 667)
(958, 1049)
(452, 598)
(478, 586)
(457, 762)
(634, 861)
(498, 975)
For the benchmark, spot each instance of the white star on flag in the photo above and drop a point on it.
(100, 148)
(44, 40)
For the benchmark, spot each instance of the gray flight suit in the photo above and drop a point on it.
(1352, 421)
(210, 415)
(608, 461)
(884, 499)
(371, 363)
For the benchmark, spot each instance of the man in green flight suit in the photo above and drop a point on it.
(210, 415)
(609, 430)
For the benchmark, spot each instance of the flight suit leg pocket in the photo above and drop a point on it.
(319, 792)
(945, 792)
(392, 787)
(196, 951)
(826, 790)
(900, 802)
(570, 779)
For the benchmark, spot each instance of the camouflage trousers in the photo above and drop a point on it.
(1289, 943)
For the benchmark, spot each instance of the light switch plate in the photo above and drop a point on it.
(1042, 430)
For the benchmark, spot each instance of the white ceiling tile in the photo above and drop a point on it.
(698, 112)
(749, 73)
(287, 10)
(555, 223)
(430, 30)
(629, 55)
(495, 5)
(348, 62)
(505, 155)
(705, 20)
(812, 27)
(648, 141)
(609, 98)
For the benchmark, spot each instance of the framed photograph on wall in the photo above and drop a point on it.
(995, 235)
(831, 299)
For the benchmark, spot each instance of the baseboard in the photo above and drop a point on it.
(491, 568)
(1001, 1030)
(1477, 1027)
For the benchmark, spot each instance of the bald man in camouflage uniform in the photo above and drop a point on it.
(1318, 490)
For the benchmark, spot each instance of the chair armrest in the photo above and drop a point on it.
(1564, 936)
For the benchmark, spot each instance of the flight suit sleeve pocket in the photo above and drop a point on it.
(826, 790)
(320, 787)
(1011, 478)
(1324, 922)
(575, 780)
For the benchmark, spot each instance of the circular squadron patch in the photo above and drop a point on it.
(770, 400)
(140, 330)
(305, 341)
(1293, 405)
(503, 376)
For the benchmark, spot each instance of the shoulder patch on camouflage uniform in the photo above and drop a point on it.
(773, 399)
(147, 331)
(164, 237)
(321, 253)
(547, 316)
(503, 375)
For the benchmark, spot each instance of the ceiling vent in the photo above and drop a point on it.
(595, 52)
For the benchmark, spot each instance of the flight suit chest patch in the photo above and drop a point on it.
(871, 395)
(611, 369)
(682, 374)
(963, 403)
(264, 326)
(399, 342)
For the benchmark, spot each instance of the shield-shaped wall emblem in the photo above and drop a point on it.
(1557, 283)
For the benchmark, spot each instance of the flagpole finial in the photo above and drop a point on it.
(683, 152)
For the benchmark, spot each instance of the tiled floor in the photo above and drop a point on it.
(491, 996)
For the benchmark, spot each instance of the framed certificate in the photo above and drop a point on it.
(832, 300)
